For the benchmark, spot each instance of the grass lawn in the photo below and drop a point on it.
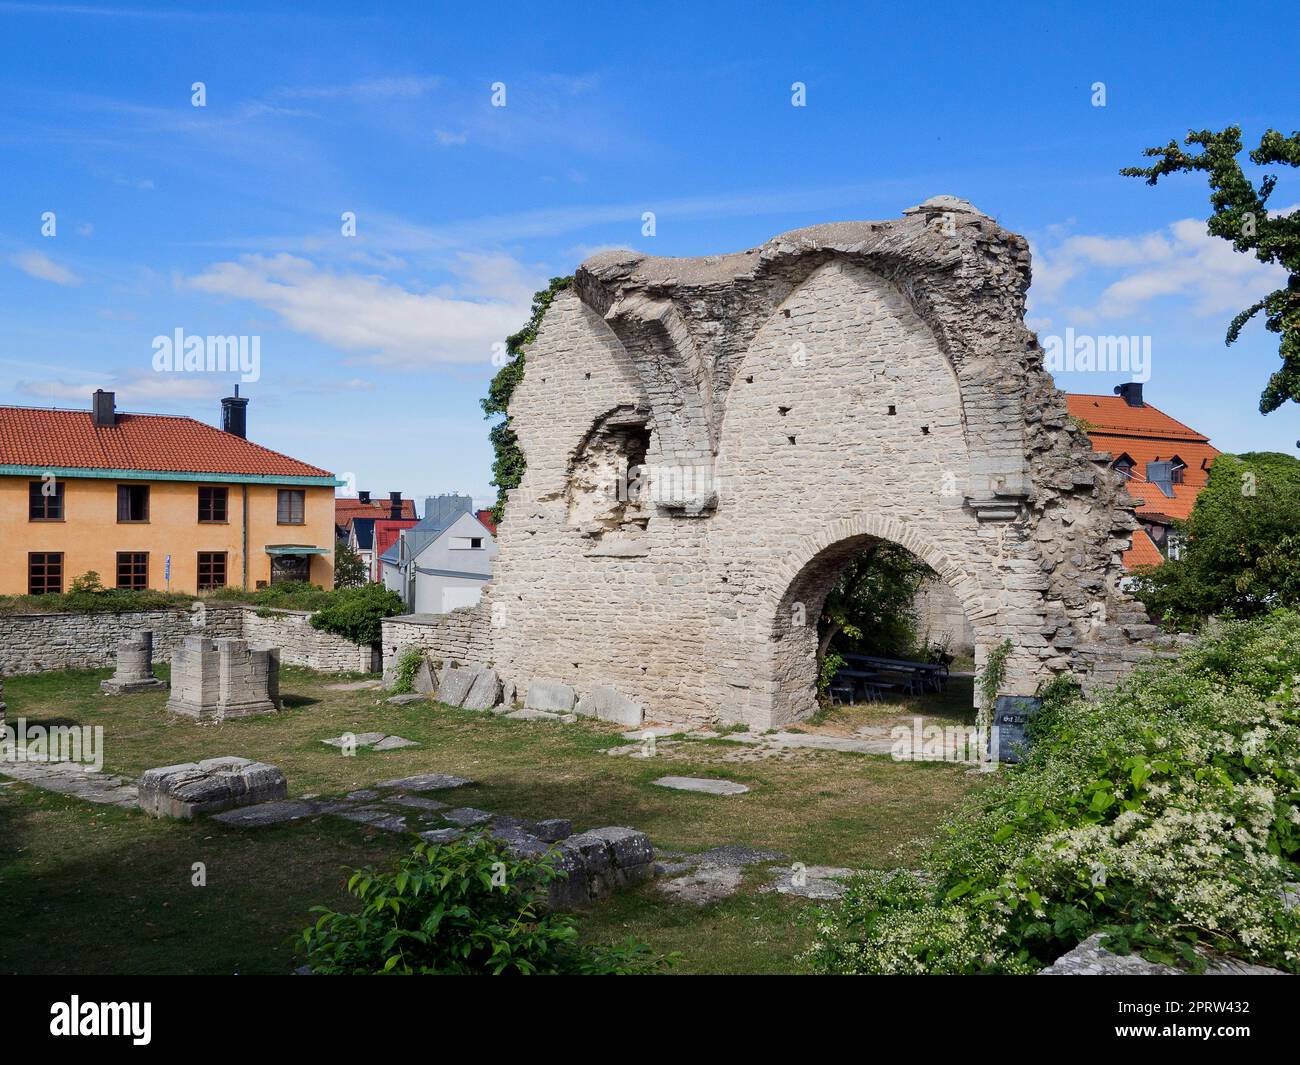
(95, 889)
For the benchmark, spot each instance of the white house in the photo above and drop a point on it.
(442, 562)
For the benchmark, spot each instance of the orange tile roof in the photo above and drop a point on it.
(348, 507)
(164, 443)
(1143, 552)
(387, 531)
(1147, 434)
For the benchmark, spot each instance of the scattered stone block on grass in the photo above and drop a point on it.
(266, 813)
(415, 802)
(541, 715)
(425, 782)
(810, 882)
(485, 692)
(187, 790)
(134, 670)
(393, 743)
(359, 739)
(406, 699)
(704, 885)
(455, 685)
(552, 695)
(1090, 958)
(703, 785)
(441, 835)
(606, 704)
(425, 681)
(466, 816)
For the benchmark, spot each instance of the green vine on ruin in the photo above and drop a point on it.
(508, 461)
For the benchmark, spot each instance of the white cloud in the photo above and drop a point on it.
(1180, 261)
(378, 319)
(38, 265)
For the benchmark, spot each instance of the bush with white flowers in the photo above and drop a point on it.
(1165, 815)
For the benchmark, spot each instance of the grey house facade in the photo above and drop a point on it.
(442, 562)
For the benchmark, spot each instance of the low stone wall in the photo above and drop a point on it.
(34, 643)
(301, 645)
(458, 637)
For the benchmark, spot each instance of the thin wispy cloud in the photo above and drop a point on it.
(40, 266)
(379, 320)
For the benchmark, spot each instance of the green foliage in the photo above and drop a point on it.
(404, 670)
(1240, 548)
(870, 608)
(283, 595)
(349, 567)
(1165, 815)
(358, 613)
(87, 582)
(993, 674)
(87, 596)
(508, 464)
(462, 908)
(1241, 216)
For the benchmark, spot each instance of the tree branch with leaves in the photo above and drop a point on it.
(1241, 216)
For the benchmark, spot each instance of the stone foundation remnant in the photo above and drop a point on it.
(190, 789)
(708, 442)
(216, 679)
(134, 672)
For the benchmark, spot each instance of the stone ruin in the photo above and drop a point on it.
(709, 441)
(134, 672)
(190, 789)
(216, 679)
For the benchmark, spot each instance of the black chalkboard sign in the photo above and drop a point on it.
(1009, 740)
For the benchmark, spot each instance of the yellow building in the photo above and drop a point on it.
(155, 501)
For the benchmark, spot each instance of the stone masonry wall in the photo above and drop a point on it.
(32, 643)
(459, 636)
(778, 411)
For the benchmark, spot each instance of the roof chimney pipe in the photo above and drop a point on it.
(395, 505)
(103, 409)
(1131, 391)
(363, 497)
(234, 415)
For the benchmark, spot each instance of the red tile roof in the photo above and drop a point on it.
(31, 436)
(348, 507)
(485, 516)
(386, 530)
(1147, 434)
(1143, 552)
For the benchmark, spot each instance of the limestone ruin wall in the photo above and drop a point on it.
(779, 409)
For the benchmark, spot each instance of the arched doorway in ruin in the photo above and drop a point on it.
(788, 620)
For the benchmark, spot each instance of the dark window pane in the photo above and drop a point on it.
(45, 500)
(212, 570)
(132, 502)
(44, 572)
(212, 504)
(133, 570)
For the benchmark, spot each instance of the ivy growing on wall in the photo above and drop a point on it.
(508, 461)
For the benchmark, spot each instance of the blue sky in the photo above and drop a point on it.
(226, 219)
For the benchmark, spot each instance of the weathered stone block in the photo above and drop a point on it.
(606, 704)
(552, 695)
(455, 685)
(134, 671)
(187, 790)
(485, 692)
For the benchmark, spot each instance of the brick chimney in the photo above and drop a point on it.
(394, 505)
(103, 409)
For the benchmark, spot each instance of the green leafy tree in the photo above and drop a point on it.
(1241, 217)
(870, 608)
(349, 566)
(1240, 548)
(358, 613)
(508, 463)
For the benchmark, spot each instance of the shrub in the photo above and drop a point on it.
(358, 613)
(461, 908)
(408, 663)
(1165, 815)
